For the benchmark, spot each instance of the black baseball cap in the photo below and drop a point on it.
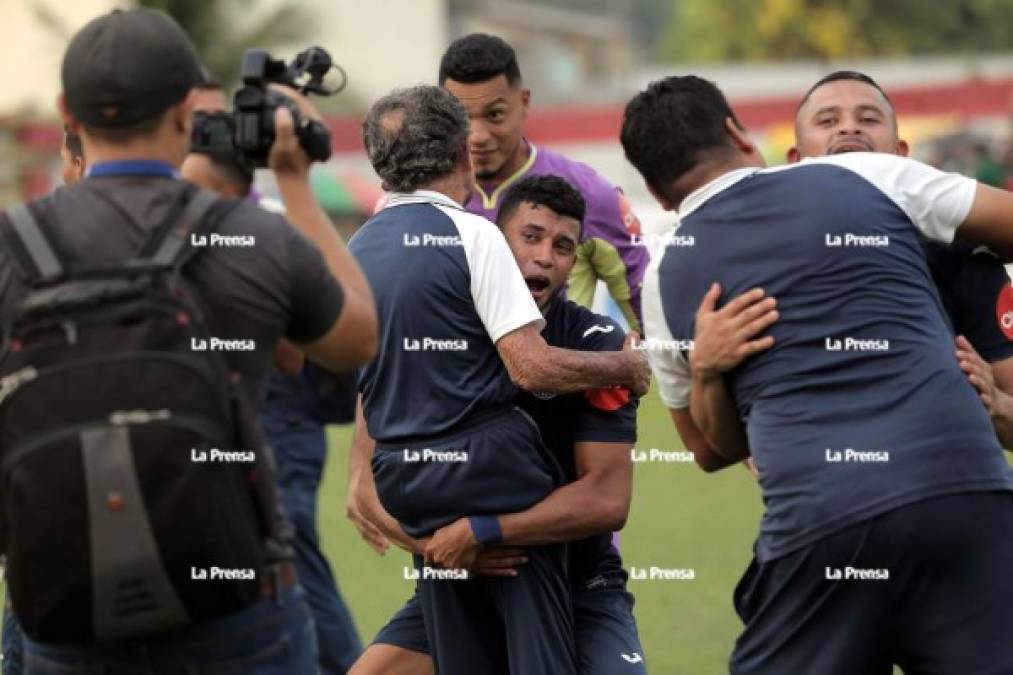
(126, 67)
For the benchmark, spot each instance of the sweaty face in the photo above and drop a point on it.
(496, 111)
(544, 245)
(846, 116)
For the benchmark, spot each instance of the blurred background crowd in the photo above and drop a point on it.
(947, 66)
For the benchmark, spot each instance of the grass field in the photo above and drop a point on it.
(681, 518)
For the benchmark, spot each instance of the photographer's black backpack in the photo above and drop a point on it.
(108, 523)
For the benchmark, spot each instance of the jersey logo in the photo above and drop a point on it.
(543, 395)
(598, 329)
(636, 658)
(1004, 311)
(608, 399)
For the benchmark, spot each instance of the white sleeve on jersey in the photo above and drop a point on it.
(669, 364)
(502, 298)
(937, 202)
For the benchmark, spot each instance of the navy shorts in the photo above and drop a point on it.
(607, 639)
(493, 463)
(927, 586)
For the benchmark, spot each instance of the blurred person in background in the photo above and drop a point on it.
(302, 398)
(482, 72)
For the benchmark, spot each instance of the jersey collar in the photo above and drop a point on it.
(132, 167)
(422, 197)
(490, 201)
(699, 196)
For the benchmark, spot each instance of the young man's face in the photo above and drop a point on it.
(497, 113)
(845, 116)
(544, 245)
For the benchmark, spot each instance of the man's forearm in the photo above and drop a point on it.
(1002, 418)
(715, 414)
(563, 371)
(574, 511)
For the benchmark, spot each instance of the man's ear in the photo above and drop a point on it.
(739, 138)
(793, 155)
(182, 113)
(902, 148)
(525, 101)
(665, 202)
(72, 124)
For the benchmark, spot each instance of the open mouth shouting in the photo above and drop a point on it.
(538, 284)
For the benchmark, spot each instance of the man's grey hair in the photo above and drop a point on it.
(415, 136)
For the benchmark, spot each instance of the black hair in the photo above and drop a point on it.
(479, 57)
(73, 143)
(671, 126)
(549, 191)
(121, 135)
(843, 76)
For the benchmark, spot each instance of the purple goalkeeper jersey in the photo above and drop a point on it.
(611, 242)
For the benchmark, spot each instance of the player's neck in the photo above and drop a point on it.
(709, 170)
(453, 186)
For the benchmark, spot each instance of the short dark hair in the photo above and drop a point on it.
(549, 191)
(415, 136)
(670, 126)
(843, 76)
(73, 143)
(479, 57)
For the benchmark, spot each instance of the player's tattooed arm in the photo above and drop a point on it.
(534, 365)
(997, 402)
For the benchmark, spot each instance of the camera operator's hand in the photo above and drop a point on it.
(287, 157)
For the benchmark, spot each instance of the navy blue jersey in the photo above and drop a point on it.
(446, 288)
(860, 406)
(606, 416)
(975, 291)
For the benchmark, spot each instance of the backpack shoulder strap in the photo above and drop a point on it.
(174, 248)
(42, 262)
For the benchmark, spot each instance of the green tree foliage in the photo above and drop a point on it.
(223, 29)
(751, 30)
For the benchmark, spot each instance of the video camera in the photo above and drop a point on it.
(247, 132)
